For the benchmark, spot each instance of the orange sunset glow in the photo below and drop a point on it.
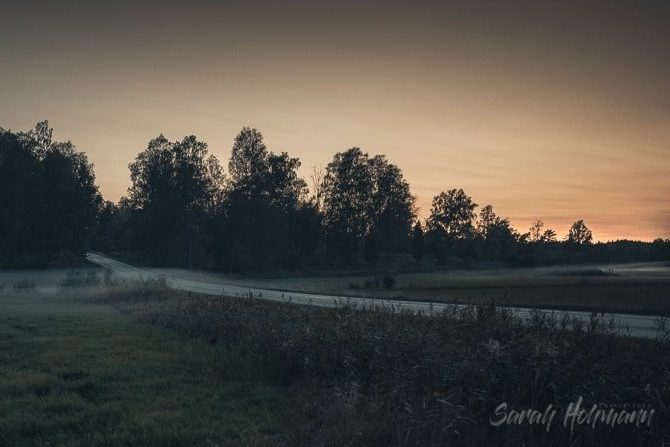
(547, 110)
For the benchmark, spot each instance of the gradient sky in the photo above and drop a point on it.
(551, 110)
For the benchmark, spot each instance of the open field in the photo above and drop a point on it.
(77, 373)
(642, 288)
(144, 365)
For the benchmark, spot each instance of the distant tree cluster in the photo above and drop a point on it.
(49, 202)
(182, 209)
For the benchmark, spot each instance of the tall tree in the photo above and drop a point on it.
(535, 231)
(174, 186)
(264, 220)
(392, 205)
(579, 233)
(500, 240)
(248, 165)
(257, 172)
(363, 195)
(346, 187)
(452, 213)
(487, 218)
(49, 198)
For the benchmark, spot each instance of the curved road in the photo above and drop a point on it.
(633, 325)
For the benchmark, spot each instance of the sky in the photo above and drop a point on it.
(555, 110)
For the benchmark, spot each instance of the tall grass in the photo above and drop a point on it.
(377, 377)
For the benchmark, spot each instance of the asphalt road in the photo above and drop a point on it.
(632, 325)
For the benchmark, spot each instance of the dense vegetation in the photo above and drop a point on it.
(49, 202)
(384, 378)
(182, 209)
(211, 371)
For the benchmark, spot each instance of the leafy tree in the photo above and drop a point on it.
(174, 187)
(112, 225)
(536, 231)
(249, 233)
(264, 220)
(417, 242)
(347, 185)
(549, 235)
(285, 188)
(49, 199)
(452, 214)
(370, 251)
(362, 195)
(248, 166)
(392, 205)
(305, 225)
(487, 218)
(579, 234)
(256, 172)
(500, 240)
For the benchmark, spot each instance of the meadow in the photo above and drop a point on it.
(143, 365)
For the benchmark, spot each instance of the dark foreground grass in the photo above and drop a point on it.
(173, 369)
(380, 378)
(78, 374)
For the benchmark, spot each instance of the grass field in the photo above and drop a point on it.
(147, 366)
(77, 373)
(642, 288)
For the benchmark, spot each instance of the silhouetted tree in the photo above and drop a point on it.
(452, 214)
(549, 235)
(306, 229)
(264, 220)
(392, 205)
(257, 172)
(174, 187)
(487, 218)
(285, 188)
(579, 233)
(535, 231)
(346, 187)
(417, 242)
(251, 233)
(370, 251)
(500, 240)
(248, 165)
(362, 195)
(49, 199)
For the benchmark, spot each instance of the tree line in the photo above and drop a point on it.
(183, 209)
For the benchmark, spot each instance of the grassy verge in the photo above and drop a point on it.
(638, 295)
(147, 366)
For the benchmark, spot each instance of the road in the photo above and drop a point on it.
(632, 325)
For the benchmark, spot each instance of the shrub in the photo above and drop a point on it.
(388, 281)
